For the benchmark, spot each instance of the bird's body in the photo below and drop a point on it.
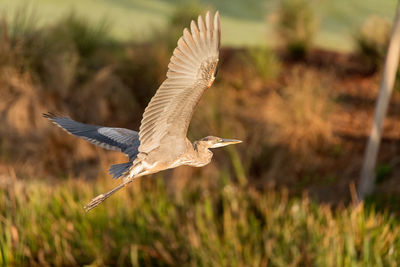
(151, 163)
(161, 142)
(195, 155)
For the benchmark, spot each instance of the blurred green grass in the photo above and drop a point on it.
(243, 23)
(224, 225)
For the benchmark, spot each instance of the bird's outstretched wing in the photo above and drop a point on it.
(119, 139)
(190, 72)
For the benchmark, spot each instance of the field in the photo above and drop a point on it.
(286, 196)
(244, 23)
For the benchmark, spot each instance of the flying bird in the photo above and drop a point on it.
(161, 142)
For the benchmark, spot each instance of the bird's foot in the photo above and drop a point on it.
(95, 202)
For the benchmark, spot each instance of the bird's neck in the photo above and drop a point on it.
(202, 153)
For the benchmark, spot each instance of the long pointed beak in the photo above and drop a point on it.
(226, 142)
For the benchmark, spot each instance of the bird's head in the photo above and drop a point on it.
(214, 142)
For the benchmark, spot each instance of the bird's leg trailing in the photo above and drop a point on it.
(135, 171)
(100, 198)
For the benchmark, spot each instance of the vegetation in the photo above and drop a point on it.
(261, 61)
(372, 40)
(243, 22)
(228, 225)
(296, 26)
(181, 19)
(298, 115)
(223, 214)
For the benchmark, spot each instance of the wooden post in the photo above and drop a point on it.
(367, 181)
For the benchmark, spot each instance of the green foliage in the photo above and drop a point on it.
(181, 19)
(382, 172)
(86, 36)
(18, 36)
(371, 41)
(296, 26)
(71, 38)
(23, 23)
(184, 14)
(262, 61)
(228, 225)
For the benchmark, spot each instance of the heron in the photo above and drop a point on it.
(161, 142)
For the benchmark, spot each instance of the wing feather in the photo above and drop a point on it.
(190, 72)
(187, 37)
(119, 139)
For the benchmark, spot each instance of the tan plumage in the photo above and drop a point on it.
(190, 72)
(161, 142)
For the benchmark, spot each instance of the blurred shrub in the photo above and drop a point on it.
(55, 50)
(383, 172)
(18, 33)
(64, 68)
(144, 65)
(18, 99)
(86, 36)
(143, 68)
(185, 13)
(23, 23)
(296, 26)
(371, 41)
(298, 116)
(264, 62)
(180, 19)
(249, 69)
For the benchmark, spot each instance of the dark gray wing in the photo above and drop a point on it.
(119, 139)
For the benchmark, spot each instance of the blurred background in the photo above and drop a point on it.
(297, 82)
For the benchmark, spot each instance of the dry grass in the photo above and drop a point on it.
(67, 68)
(298, 115)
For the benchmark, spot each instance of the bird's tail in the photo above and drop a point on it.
(100, 198)
(117, 170)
